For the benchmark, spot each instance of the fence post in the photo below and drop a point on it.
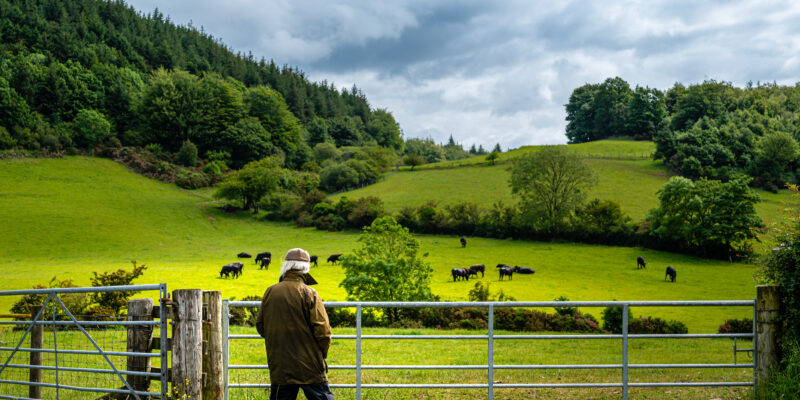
(212, 359)
(625, 352)
(139, 341)
(37, 342)
(187, 343)
(768, 304)
(226, 315)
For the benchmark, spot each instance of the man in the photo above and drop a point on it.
(297, 334)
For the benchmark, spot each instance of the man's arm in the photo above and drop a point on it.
(260, 316)
(318, 320)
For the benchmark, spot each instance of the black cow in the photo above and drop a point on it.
(234, 269)
(459, 273)
(260, 256)
(671, 273)
(471, 272)
(523, 270)
(265, 263)
(506, 271)
(463, 242)
(478, 268)
(640, 262)
(243, 255)
(334, 258)
(313, 260)
(503, 266)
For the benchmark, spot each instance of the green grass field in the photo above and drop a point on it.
(69, 217)
(622, 176)
(431, 352)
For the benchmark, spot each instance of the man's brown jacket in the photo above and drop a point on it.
(295, 325)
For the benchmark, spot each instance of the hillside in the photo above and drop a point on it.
(623, 176)
(68, 217)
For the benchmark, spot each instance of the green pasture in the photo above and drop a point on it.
(431, 352)
(631, 183)
(510, 352)
(604, 149)
(68, 217)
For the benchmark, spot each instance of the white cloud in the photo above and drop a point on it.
(502, 72)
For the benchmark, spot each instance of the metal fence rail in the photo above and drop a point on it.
(490, 337)
(78, 326)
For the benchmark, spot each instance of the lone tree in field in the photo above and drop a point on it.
(254, 181)
(550, 184)
(413, 160)
(386, 267)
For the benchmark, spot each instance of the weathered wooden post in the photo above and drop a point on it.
(187, 343)
(213, 388)
(139, 337)
(37, 342)
(767, 307)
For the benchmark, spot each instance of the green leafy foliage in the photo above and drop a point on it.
(612, 319)
(254, 181)
(387, 267)
(187, 155)
(712, 217)
(551, 184)
(116, 301)
(91, 128)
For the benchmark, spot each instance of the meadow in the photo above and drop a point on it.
(433, 352)
(68, 217)
(624, 172)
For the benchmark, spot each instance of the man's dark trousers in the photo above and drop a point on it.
(313, 391)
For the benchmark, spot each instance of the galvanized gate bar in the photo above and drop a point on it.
(52, 299)
(625, 366)
(225, 344)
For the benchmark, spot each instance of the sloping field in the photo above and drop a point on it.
(69, 217)
(625, 178)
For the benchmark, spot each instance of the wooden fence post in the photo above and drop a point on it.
(37, 342)
(213, 388)
(767, 308)
(187, 343)
(139, 337)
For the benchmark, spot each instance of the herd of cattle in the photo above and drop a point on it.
(263, 259)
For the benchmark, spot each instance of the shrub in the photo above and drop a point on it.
(76, 302)
(656, 325)
(784, 383)
(744, 325)
(612, 319)
(187, 155)
(568, 311)
(116, 301)
(365, 210)
(191, 180)
(6, 141)
(91, 128)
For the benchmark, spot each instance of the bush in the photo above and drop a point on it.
(365, 210)
(245, 316)
(187, 155)
(656, 325)
(612, 319)
(91, 128)
(744, 325)
(566, 311)
(76, 303)
(784, 382)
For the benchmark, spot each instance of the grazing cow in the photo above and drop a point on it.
(471, 272)
(459, 273)
(640, 263)
(671, 273)
(463, 242)
(478, 268)
(523, 270)
(334, 258)
(313, 260)
(503, 266)
(260, 256)
(234, 269)
(243, 255)
(506, 271)
(265, 263)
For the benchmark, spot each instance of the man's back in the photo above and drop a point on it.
(295, 325)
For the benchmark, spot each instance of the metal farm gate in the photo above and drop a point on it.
(491, 337)
(65, 354)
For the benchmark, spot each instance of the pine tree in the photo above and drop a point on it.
(497, 148)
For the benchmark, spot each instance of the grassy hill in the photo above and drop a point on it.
(68, 217)
(625, 174)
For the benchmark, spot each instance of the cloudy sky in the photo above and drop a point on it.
(489, 72)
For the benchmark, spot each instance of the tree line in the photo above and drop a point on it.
(708, 130)
(75, 74)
